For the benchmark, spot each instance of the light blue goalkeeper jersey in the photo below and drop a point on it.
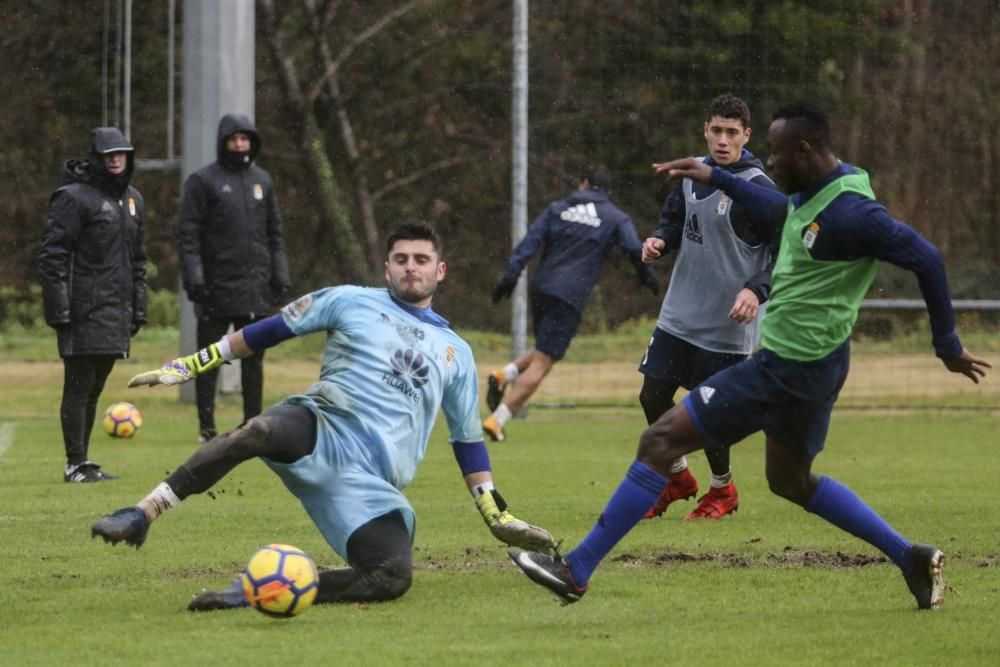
(387, 370)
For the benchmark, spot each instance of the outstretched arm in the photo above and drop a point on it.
(524, 251)
(763, 203)
(898, 243)
(242, 343)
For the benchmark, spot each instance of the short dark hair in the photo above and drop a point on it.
(598, 176)
(811, 120)
(729, 106)
(414, 231)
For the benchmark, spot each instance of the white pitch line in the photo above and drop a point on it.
(6, 437)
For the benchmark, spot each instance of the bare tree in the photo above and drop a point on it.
(330, 83)
(349, 252)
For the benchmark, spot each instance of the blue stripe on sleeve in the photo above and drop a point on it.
(472, 457)
(266, 333)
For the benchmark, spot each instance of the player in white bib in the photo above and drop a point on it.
(353, 440)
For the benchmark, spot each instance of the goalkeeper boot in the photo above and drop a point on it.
(232, 597)
(495, 385)
(680, 486)
(493, 429)
(128, 524)
(924, 578)
(549, 571)
(717, 503)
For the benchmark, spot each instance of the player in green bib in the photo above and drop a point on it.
(833, 237)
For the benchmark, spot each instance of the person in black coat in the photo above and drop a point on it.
(232, 255)
(92, 266)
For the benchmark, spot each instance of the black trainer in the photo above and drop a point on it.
(494, 390)
(86, 473)
(924, 579)
(552, 573)
(232, 597)
(129, 524)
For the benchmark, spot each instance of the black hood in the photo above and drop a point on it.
(229, 125)
(103, 140)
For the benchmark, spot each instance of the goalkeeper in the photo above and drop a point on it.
(348, 445)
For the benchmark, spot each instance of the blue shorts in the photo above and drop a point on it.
(339, 485)
(556, 322)
(675, 361)
(790, 401)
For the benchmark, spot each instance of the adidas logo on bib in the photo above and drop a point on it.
(706, 394)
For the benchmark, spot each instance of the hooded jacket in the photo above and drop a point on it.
(92, 261)
(577, 233)
(230, 238)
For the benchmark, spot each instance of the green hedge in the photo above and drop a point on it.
(21, 309)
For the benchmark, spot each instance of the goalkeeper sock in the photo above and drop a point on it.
(843, 508)
(159, 501)
(633, 497)
(510, 372)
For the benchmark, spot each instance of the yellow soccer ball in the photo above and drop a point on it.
(280, 581)
(122, 420)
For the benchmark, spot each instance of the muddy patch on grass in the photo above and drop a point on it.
(788, 557)
(993, 560)
(193, 572)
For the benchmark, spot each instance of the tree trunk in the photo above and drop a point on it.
(348, 250)
(362, 191)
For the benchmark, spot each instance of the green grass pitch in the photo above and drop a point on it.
(771, 586)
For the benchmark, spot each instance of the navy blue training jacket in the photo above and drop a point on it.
(853, 226)
(578, 232)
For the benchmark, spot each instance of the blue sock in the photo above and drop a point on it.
(630, 501)
(843, 508)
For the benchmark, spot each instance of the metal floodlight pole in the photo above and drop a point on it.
(519, 168)
(218, 78)
(119, 17)
(127, 98)
(171, 59)
(104, 63)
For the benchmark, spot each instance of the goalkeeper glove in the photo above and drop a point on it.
(182, 369)
(509, 529)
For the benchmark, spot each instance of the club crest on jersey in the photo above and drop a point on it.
(449, 355)
(131, 206)
(706, 394)
(809, 238)
(296, 309)
(258, 191)
(723, 205)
